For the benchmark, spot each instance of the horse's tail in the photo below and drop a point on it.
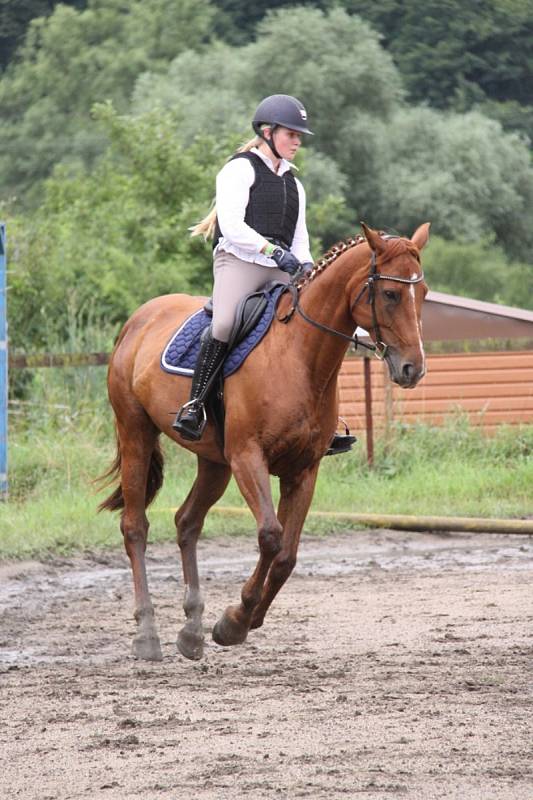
(153, 482)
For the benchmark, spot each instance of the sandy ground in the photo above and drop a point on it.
(391, 665)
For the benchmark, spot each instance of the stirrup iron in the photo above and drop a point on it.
(341, 442)
(194, 430)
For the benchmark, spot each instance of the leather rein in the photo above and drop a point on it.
(379, 348)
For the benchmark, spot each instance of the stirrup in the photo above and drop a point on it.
(190, 429)
(341, 442)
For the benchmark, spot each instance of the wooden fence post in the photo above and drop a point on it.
(3, 365)
(368, 412)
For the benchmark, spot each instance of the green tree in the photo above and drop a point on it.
(477, 269)
(206, 89)
(216, 91)
(15, 18)
(443, 47)
(333, 62)
(460, 171)
(105, 241)
(237, 19)
(70, 60)
(218, 88)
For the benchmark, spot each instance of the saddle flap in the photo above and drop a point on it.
(249, 311)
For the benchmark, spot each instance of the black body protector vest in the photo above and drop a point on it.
(273, 206)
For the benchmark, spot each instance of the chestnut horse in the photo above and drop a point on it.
(281, 413)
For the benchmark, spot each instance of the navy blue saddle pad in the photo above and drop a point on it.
(181, 353)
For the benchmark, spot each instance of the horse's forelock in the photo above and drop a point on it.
(397, 247)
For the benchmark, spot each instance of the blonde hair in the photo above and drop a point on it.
(206, 226)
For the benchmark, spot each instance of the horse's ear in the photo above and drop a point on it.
(421, 236)
(374, 239)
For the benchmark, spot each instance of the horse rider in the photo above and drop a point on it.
(259, 235)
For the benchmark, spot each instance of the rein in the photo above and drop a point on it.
(379, 348)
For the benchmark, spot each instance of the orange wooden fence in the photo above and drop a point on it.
(492, 388)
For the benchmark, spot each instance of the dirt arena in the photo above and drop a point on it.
(391, 665)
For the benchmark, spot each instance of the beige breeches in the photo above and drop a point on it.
(234, 279)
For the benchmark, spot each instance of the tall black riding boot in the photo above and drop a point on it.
(191, 418)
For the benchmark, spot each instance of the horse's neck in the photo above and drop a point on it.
(325, 300)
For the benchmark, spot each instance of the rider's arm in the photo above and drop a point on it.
(232, 195)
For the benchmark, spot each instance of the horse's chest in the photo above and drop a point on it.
(297, 445)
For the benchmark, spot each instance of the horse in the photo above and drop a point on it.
(280, 415)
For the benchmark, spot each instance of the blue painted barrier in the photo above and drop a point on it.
(3, 365)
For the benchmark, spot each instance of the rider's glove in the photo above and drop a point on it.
(285, 260)
(306, 267)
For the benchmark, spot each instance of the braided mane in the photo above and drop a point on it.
(397, 245)
(330, 256)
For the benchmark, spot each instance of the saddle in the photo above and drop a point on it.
(249, 311)
(253, 318)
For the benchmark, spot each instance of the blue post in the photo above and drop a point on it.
(3, 365)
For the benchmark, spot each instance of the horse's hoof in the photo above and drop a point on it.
(147, 647)
(226, 632)
(190, 645)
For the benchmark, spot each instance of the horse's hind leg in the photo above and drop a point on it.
(209, 486)
(137, 443)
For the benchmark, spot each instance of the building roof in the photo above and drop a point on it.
(447, 316)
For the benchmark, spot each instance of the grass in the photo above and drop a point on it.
(57, 448)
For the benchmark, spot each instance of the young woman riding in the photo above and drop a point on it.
(259, 235)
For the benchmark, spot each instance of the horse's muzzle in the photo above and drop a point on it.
(405, 371)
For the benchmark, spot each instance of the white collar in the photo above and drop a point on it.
(284, 165)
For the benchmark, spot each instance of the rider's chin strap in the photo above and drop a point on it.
(269, 142)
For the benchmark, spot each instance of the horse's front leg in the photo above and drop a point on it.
(209, 486)
(251, 473)
(295, 499)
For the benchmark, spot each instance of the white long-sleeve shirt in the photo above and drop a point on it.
(233, 185)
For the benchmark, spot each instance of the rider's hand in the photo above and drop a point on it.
(306, 267)
(285, 260)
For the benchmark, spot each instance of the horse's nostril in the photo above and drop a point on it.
(408, 371)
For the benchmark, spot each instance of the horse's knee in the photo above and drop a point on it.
(269, 538)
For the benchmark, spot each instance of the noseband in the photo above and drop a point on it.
(379, 348)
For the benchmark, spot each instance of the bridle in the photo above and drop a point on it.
(379, 348)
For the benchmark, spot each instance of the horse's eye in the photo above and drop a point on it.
(391, 295)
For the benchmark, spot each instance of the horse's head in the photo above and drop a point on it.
(389, 305)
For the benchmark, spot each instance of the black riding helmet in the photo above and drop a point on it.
(280, 110)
